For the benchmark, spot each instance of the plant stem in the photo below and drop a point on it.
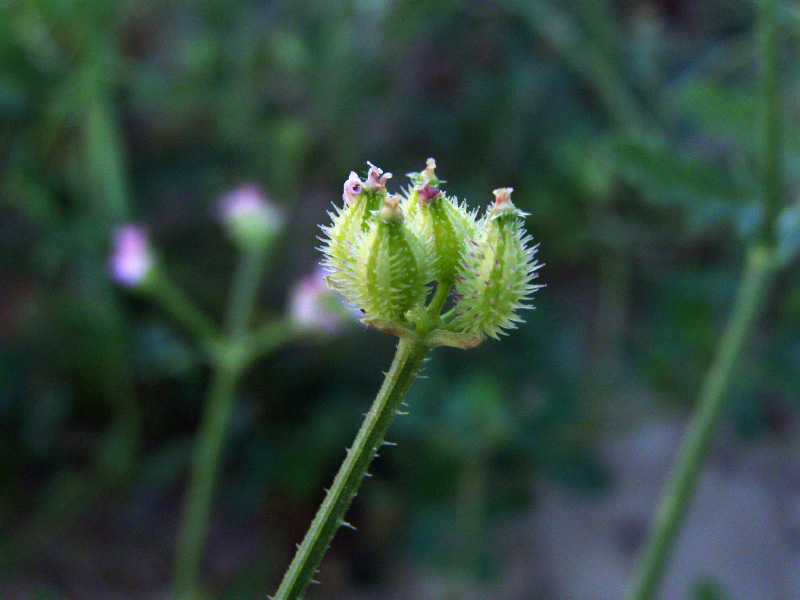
(407, 362)
(434, 309)
(203, 477)
(760, 264)
(245, 289)
(106, 179)
(174, 302)
(770, 120)
(694, 447)
(229, 359)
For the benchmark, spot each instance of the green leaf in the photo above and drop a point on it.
(667, 177)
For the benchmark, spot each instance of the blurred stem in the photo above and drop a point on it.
(103, 185)
(691, 455)
(270, 336)
(760, 265)
(407, 363)
(771, 120)
(202, 480)
(228, 362)
(245, 289)
(105, 159)
(177, 305)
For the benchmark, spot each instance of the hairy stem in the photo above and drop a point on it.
(407, 362)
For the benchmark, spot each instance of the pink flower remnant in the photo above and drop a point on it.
(352, 188)
(376, 178)
(132, 257)
(427, 193)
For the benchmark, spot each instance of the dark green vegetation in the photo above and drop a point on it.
(628, 131)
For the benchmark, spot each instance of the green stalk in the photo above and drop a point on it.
(106, 179)
(438, 301)
(407, 362)
(694, 447)
(105, 196)
(761, 263)
(177, 305)
(203, 478)
(228, 362)
(245, 290)
(770, 120)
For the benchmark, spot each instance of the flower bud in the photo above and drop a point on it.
(376, 179)
(250, 218)
(352, 188)
(493, 279)
(132, 258)
(315, 308)
(390, 274)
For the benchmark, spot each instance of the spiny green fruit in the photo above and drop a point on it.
(390, 271)
(382, 251)
(444, 226)
(440, 222)
(361, 200)
(493, 279)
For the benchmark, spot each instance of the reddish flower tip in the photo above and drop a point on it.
(427, 193)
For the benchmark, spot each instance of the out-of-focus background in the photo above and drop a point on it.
(526, 468)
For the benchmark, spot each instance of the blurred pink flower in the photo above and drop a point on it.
(247, 212)
(313, 306)
(132, 257)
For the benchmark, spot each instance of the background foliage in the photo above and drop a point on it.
(627, 131)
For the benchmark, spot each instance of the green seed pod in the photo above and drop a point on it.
(444, 226)
(493, 279)
(361, 200)
(390, 274)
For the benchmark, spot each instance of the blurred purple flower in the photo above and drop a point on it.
(313, 306)
(132, 257)
(249, 214)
